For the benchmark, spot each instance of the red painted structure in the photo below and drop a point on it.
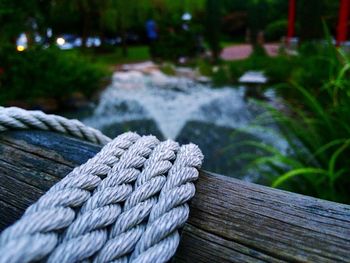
(344, 10)
(291, 20)
(343, 21)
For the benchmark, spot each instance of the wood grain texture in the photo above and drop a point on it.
(230, 221)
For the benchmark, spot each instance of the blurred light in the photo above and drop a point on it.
(21, 42)
(186, 17)
(77, 42)
(97, 42)
(20, 48)
(60, 41)
(49, 32)
(37, 38)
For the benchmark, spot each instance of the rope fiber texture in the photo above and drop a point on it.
(125, 204)
(16, 118)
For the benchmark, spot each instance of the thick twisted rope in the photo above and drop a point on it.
(99, 214)
(16, 118)
(123, 205)
(54, 211)
(148, 184)
(160, 239)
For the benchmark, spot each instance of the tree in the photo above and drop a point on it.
(310, 19)
(213, 24)
(257, 20)
(118, 16)
(77, 15)
(16, 17)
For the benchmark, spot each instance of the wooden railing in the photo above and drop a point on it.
(230, 220)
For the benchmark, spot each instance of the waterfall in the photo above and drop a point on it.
(172, 102)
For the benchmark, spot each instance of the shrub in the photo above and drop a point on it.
(174, 41)
(277, 69)
(221, 76)
(168, 69)
(276, 30)
(49, 73)
(205, 68)
(236, 69)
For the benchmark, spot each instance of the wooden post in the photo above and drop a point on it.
(291, 20)
(343, 21)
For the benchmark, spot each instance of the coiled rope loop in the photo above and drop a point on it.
(15, 118)
(123, 205)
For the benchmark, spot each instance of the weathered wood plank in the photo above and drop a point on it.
(276, 223)
(30, 163)
(230, 221)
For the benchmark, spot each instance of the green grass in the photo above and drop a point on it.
(232, 41)
(115, 57)
(224, 44)
(135, 54)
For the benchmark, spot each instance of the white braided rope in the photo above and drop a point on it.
(16, 118)
(54, 211)
(171, 210)
(95, 215)
(123, 205)
(148, 184)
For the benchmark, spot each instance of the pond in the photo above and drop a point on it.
(219, 120)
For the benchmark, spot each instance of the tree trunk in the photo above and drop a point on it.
(310, 12)
(85, 25)
(84, 34)
(213, 27)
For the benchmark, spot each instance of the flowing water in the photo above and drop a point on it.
(217, 119)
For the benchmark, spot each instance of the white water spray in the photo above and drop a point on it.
(171, 102)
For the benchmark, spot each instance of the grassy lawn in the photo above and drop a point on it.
(232, 42)
(110, 59)
(135, 54)
(224, 44)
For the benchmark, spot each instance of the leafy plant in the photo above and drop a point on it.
(316, 127)
(205, 68)
(168, 69)
(276, 30)
(221, 76)
(46, 73)
(314, 124)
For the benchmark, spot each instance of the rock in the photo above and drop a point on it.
(221, 147)
(203, 79)
(253, 77)
(45, 104)
(144, 67)
(76, 101)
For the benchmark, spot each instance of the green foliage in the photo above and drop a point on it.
(310, 19)
(49, 73)
(205, 68)
(168, 69)
(213, 23)
(277, 69)
(15, 17)
(276, 30)
(221, 77)
(110, 59)
(315, 125)
(175, 42)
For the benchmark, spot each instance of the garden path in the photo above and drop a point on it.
(242, 51)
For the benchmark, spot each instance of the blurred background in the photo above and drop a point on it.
(262, 86)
